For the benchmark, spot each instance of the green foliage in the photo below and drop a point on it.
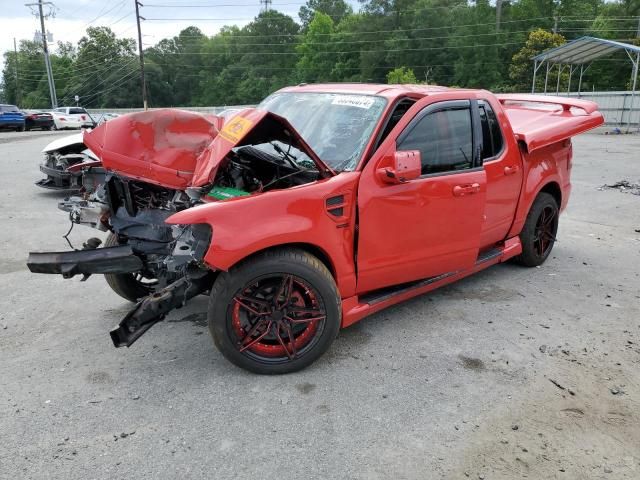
(446, 42)
(401, 75)
(335, 9)
(521, 69)
(316, 62)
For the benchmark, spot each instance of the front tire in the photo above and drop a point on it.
(130, 286)
(275, 313)
(539, 232)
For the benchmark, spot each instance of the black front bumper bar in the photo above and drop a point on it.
(119, 259)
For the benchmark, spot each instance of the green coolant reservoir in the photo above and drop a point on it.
(224, 193)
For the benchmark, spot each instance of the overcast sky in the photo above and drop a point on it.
(72, 17)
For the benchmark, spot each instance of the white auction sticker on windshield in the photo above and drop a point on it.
(359, 101)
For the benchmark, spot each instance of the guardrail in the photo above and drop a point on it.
(619, 108)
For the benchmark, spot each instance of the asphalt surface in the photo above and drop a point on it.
(512, 373)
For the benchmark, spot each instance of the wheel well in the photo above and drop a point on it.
(307, 247)
(553, 189)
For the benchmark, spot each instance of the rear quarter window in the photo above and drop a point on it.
(492, 140)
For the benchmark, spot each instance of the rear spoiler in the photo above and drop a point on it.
(537, 127)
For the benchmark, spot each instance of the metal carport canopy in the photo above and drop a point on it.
(583, 50)
(580, 53)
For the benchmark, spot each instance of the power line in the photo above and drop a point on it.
(400, 30)
(118, 5)
(356, 51)
(118, 84)
(288, 19)
(406, 39)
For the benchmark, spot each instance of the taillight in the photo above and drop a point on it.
(62, 119)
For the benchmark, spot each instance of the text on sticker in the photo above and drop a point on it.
(359, 101)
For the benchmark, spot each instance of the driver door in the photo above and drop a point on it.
(431, 225)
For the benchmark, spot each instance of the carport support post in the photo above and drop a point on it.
(571, 68)
(580, 81)
(533, 84)
(633, 90)
(559, 72)
(546, 78)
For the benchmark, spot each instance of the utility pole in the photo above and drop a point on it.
(427, 73)
(15, 51)
(47, 61)
(266, 5)
(144, 85)
(498, 14)
(555, 24)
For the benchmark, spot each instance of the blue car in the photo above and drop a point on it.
(11, 118)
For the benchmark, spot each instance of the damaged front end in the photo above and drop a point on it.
(153, 165)
(63, 161)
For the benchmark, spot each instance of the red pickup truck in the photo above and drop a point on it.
(323, 205)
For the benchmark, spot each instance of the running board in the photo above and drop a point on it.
(383, 294)
(488, 255)
(357, 307)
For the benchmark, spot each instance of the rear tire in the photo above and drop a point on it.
(126, 285)
(275, 313)
(539, 232)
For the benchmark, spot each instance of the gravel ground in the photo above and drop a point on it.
(511, 373)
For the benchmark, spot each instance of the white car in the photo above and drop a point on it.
(71, 117)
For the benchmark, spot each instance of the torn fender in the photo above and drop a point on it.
(246, 225)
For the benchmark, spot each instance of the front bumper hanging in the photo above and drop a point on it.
(153, 308)
(120, 259)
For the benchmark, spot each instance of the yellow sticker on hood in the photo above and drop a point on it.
(235, 129)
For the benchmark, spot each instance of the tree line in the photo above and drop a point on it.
(446, 42)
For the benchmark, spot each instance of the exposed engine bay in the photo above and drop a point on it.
(136, 186)
(135, 211)
(252, 169)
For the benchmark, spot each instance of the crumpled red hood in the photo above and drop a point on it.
(179, 149)
(158, 146)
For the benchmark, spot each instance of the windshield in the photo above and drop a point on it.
(336, 126)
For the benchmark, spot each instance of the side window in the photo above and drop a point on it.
(444, 139)
(491, 135)
(76, 111)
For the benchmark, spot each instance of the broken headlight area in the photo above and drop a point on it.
(57, 163)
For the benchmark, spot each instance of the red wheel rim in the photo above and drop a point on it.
(545, 231)
(276, 318)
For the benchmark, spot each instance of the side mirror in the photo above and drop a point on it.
(406, 165)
